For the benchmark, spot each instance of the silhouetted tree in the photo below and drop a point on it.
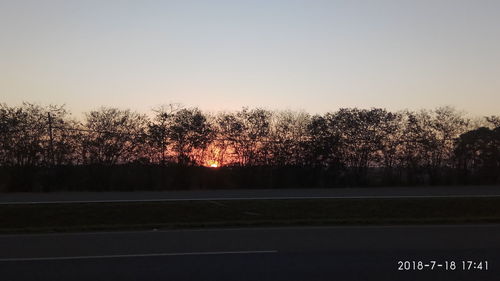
(255, 131)
(364, 135)
(113, 136)
(26, 139)
(447, 125)
(41, 145)
(189, 132)
(229, 129)
(323, 147)
(478, 152)
(287, 138)
(494, 120)
(158, 132)
(243, 135)
(429, 138)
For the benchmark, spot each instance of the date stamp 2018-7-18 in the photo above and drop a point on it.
(445, 265)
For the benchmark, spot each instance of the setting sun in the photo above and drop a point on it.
(212, 164)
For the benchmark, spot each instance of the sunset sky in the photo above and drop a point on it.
(222, 55)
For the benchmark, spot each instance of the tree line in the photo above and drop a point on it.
(357, 145)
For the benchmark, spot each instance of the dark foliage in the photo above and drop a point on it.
(43, 149)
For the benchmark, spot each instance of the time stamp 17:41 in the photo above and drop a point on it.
(451, 265)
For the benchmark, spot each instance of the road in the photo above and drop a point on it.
(296, 253)
(141, 196)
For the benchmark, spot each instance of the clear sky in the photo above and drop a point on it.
(222, 55)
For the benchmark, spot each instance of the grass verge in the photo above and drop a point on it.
(189, 214)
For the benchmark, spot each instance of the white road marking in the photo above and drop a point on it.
(235, 229)
(139, 255)
(248, 198)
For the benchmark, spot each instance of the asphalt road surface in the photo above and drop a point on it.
(139, 196)
(295, 253)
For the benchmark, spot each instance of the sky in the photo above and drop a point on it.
(307, 55)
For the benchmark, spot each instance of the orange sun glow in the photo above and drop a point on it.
(212, 164)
